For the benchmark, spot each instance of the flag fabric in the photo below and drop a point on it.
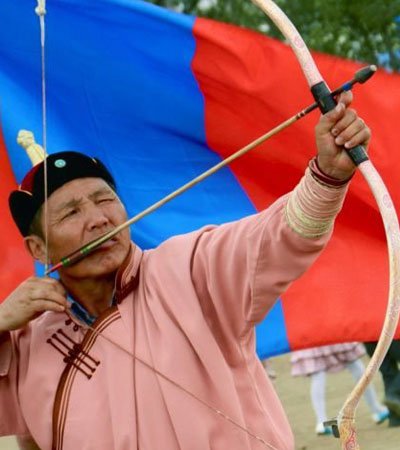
(160, 97)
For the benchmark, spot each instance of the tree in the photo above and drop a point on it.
(364, 30)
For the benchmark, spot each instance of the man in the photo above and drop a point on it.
(159, 353)
(390, 372)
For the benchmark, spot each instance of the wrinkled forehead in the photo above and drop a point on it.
(79, 189)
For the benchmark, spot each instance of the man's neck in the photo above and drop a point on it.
(95, 295)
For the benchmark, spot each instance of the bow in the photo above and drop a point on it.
(344, 425)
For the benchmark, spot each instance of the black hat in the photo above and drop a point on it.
(61, 168)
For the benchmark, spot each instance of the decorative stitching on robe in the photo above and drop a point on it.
(312, 206)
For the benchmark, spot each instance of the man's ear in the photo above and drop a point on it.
(36, 247)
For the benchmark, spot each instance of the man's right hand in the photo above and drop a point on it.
(31, 298)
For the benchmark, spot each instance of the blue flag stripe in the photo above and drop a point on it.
(119, 87)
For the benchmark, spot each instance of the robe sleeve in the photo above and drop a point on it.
(11, 419)
(241, 268)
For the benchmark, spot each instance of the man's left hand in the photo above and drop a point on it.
(338, 130)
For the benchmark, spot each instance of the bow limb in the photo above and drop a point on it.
(346, 416)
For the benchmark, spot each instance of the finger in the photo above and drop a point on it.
(360, 138)
(55, 284)
(49, 283)
(40, 306)
(329, 120)
(49, 294)
(347, 127)
(340, 126)
(346, 98)
(343, 102)
(43, 286)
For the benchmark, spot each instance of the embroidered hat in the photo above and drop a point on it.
(62, 167)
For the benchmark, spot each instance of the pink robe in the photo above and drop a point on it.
(187, 309)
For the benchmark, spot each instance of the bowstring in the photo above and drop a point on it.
(40, 10)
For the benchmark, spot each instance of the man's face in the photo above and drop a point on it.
(79, 212)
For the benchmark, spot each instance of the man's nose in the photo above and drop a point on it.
(96, 217)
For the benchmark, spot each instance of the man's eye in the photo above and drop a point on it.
(70, 213)
(105, 199)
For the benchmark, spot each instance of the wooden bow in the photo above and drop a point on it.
(344, 424)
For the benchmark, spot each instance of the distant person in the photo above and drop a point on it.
(268, 368)
(391, 379)
(317, 362)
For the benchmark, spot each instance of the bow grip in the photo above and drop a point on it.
(326, 102)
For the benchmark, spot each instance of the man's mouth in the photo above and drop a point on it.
(106, 245)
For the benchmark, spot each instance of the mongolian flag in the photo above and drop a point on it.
(160, 97)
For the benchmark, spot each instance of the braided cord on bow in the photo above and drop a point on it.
(346, 416)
